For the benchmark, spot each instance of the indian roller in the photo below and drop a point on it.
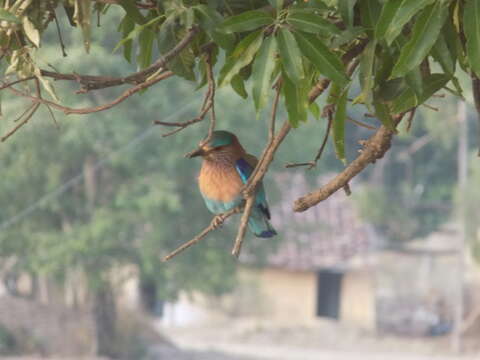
(225, 169)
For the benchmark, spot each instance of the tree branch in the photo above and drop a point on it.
(93, 82)
(250, 197)
(375, 147)
(214, 224)
(126, 94)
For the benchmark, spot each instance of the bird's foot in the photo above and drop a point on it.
(218, 221)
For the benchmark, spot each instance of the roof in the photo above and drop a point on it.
(328, 235)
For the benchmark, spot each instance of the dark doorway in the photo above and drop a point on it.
(329, 285)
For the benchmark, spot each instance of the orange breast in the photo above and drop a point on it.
(219, 183)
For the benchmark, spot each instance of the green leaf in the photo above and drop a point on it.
(132, 11)
(366, 74)
(210, 19)
(339, 123)
(315, 110)
(311, 23)
(395, 14)
(8, 16)
(326, 62)
(145, 42)
(296, 101)
(290, 55)
(414, 81)
(168, 37)
(471, 27)
(246, 21)
(424, 35)
(126, 26)
(345, 7)
(139, 29)
(238, 84)
(262, 72)
(383, 114)
(442, 54)
(408, 99)
(242, 56)
(370, 12)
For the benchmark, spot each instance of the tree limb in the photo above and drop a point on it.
(375, 147)
(93, 82)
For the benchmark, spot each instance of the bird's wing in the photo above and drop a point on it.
(245, 168)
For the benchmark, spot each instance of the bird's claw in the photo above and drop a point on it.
(218, 221)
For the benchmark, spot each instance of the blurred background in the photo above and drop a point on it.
(90, 204)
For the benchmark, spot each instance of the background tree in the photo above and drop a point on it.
(400, 53)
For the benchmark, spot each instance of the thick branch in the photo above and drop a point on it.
(375, 147)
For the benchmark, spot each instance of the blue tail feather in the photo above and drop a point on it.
(260, 226)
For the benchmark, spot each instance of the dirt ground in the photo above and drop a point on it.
(323, 341)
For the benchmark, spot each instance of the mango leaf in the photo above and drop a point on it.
(32, 33)
(366, 74)
(442, 54)
(383, 114)
(262, 71)
(345, 7)
(209, 19)
(424, 35)
(339, 123)
(145, 42)
(414, 81)
(407, 99)
(8, 16)
(82, 17)
(326, 62)
(471, 26)
(242, 56)
(139, 28)
(370, 12)
(315, 110)
(395, 14)
(311, 23)
(249, 20)
(290, 55)
(126, 26)
(296, 101)
(132, 11)
(183, 64)
(238, 85)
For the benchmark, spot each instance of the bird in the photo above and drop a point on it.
(225, 169)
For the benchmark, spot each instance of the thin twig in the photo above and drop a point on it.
(207, 105)
(33, 109)
(214, 224)
(93, 82)
(430, 107)
(60, 38)
(126, 94)
(362, 124)
(410, 118)
(6, 85)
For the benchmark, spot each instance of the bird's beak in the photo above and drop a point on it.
(195, 153)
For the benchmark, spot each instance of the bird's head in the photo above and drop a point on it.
(222, 145)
